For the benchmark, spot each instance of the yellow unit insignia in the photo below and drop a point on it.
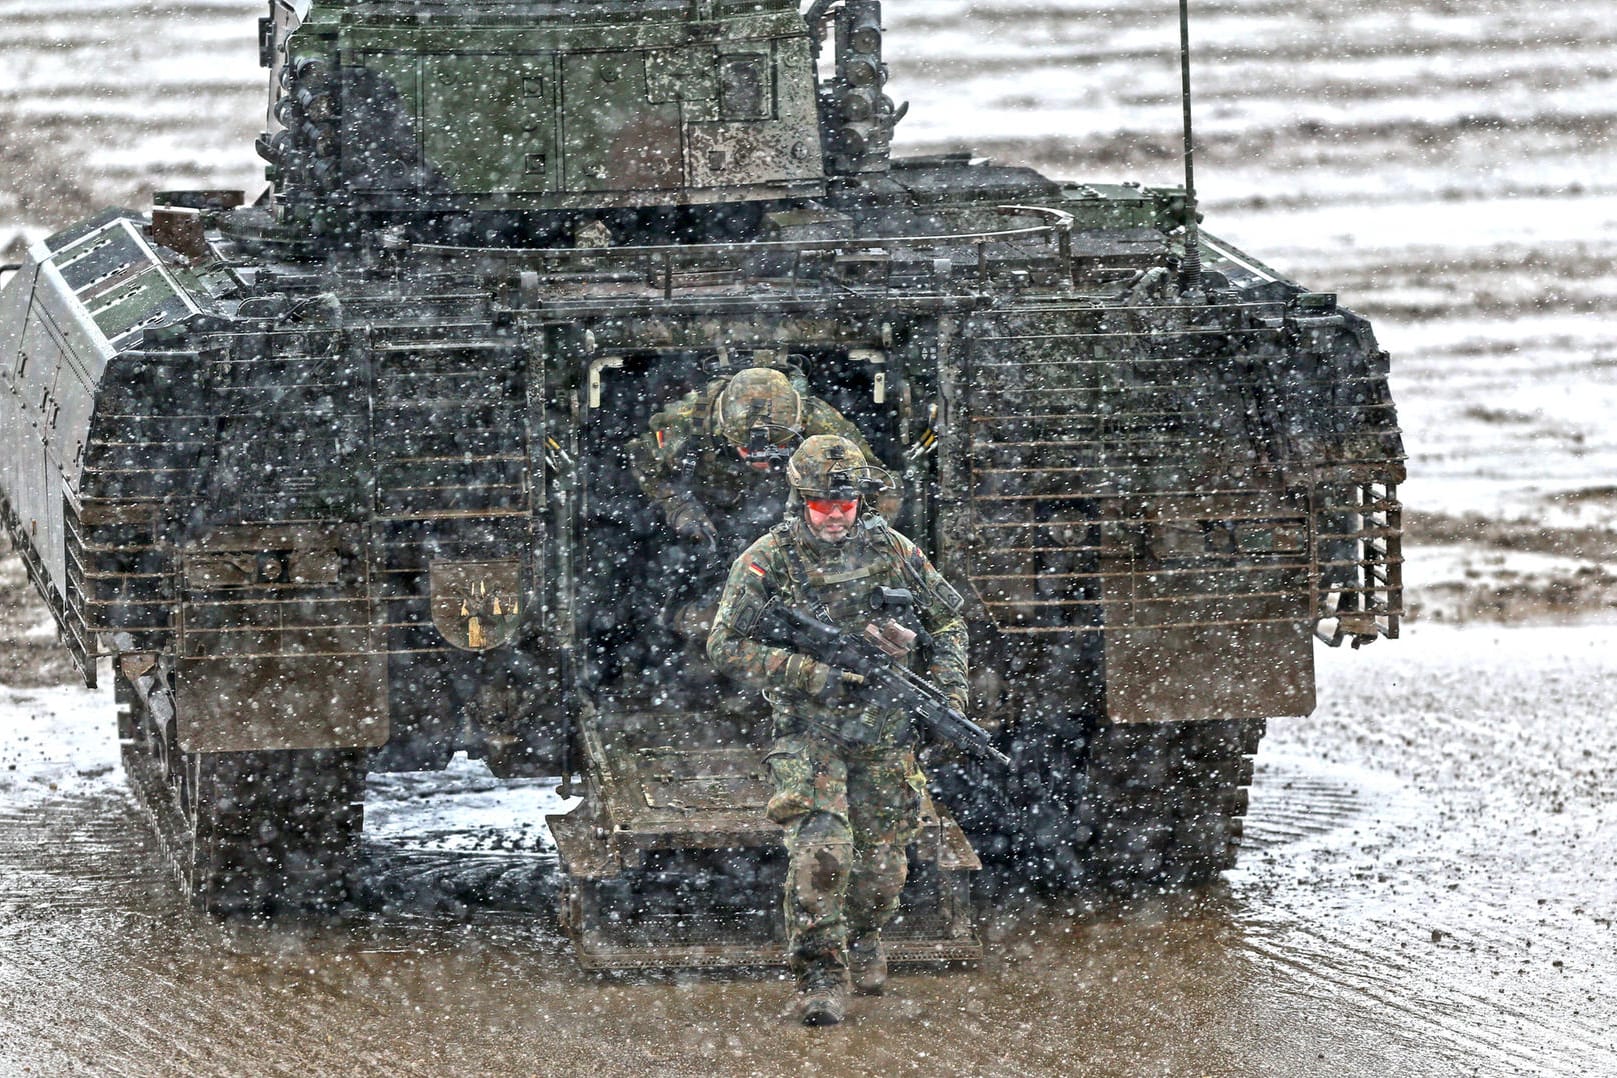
(477, 605)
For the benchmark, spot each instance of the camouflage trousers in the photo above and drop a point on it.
(849, 817)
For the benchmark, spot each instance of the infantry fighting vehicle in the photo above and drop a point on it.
(335, 479)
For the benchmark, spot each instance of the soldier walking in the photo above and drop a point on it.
(847, 787)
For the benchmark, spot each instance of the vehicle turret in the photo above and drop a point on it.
(497, 119)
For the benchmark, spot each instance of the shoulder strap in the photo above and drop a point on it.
(895, 543)
(794, 562)
(704, 405)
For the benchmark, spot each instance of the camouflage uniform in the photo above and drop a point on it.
(847, 787)
(687, 468)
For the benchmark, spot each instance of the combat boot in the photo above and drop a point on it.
(825, 997)
(867, 962)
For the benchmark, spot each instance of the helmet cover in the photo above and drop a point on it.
(826, 466)
(758, 397)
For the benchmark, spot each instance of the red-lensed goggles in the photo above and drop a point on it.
(824, 507)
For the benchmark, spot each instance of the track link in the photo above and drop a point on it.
(1163, 805)
(252, 832)
(1121, 807)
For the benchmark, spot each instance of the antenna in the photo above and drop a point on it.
(1190, 271)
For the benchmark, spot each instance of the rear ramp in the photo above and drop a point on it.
(670, 862)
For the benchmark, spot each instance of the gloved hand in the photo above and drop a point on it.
(940, 757)
(961, 702)
(827, 684)
(690, 521)
(841, 686)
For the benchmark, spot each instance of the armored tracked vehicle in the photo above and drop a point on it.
(336, 481)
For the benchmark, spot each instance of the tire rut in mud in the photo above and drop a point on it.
(1352, 910)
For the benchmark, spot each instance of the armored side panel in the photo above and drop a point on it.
(278, 646)
(82, 299)
(140, 464)
(1158, 487)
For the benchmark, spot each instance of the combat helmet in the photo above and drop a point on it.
(828, 466)
(758, 399)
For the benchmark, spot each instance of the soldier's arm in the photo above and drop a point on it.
(736, 651)
(655, 459)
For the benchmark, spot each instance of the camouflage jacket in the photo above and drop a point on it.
(840, 576)
(681, 461)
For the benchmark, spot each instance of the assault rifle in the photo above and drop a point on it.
(885, 680)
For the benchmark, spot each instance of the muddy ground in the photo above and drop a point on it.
(1427, 888)
(1430, 883)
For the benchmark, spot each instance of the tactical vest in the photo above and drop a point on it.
(839, 591)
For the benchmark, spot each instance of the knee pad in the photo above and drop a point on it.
(822, 858)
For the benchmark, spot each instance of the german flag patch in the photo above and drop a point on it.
(755, 568)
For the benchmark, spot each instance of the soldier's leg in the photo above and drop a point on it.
(878, 877)
(884, 800)
(884, 809)
(820, 848)
(811, 803)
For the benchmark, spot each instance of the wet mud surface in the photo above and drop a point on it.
(1428, 888)
(1430, 881)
